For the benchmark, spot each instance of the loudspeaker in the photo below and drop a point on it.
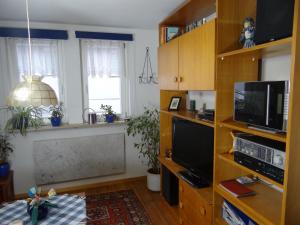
(169, 186)
(274, 20)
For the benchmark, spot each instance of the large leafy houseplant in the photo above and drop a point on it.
(147, 127)
(24, 117)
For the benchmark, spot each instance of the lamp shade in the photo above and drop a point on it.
(32, 92)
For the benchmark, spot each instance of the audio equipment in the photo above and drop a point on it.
(169, 186)
(265, 156)
(274, 20)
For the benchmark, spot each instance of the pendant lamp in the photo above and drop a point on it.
(32, 91)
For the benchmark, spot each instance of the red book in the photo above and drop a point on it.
(236, 189)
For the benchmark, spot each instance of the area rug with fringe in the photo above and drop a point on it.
(115, 208)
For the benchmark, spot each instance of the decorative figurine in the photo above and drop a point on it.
(247, 35)
(37, 207)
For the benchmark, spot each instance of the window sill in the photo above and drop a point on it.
(76, 126)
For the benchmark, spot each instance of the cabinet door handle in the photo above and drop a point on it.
(202, 211)
(175, 79)
(180, 79)
(180, 205)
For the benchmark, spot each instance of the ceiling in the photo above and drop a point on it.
(112, 13)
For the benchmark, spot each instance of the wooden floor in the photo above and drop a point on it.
(157, 208)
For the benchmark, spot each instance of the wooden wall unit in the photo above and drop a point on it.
(235, 64)
(187, 63)
(232, 64)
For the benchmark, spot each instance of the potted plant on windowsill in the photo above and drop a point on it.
(109, 114)
(24, 117)
(56, 115)
(146, 127)
(5, 149)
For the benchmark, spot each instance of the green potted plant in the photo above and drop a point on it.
(146, 128)
(56, 115)
(24, 117)
(109, 114)
(5, 149)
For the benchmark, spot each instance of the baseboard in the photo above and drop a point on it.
(86, 187)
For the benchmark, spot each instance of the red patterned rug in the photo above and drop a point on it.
(116, 208)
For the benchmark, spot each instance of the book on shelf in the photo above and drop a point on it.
(236, 189)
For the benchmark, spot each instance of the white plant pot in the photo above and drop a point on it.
(153, 181)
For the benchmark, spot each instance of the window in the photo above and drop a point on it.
(46, 62)
(104, 81)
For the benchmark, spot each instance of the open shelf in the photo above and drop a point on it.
(172, 166)
(267, 48)
(220, 221)
(187, 115)
(229, 158)
(206, 193)
(244, 128)
(264, 207)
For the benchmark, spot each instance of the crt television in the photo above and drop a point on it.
(193, 146)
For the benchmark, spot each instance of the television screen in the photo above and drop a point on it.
(193, 147)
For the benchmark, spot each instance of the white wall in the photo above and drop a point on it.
(142, 95)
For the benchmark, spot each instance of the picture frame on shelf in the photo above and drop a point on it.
(174, 103)
(171, 33)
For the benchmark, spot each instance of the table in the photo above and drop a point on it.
(71, 210)
(7, 192)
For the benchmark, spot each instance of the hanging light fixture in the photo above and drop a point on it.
(147, 76)
(32, 91)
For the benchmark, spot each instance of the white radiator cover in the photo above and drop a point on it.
(61, 160)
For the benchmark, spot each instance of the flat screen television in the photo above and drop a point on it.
(193, 146)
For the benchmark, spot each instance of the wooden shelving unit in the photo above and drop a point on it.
(283, 45)
(229, 159)
(234, 64)
(231, 124)
(191, 116)
(268, 206)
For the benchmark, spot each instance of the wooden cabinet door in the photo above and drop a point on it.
(168, 65)
(197, 58)
(193, 209)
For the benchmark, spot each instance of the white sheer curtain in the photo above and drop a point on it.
(104, 77)
(44, 56)
(103, 57)
(47, 61)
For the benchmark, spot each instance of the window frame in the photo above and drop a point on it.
(123, 79)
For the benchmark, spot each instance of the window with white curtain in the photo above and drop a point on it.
(104, 82)
(46, 62)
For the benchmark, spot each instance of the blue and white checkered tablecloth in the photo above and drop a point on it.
(71, 210)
